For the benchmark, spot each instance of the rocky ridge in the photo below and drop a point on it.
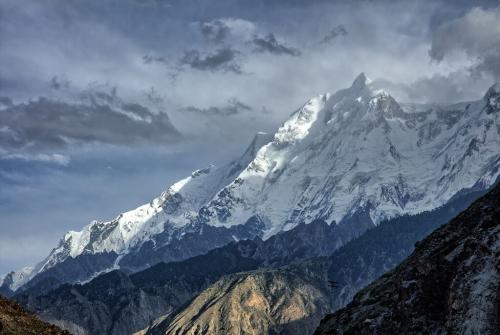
(288, 300)
(449, 285)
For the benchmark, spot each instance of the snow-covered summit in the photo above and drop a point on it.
(359, 148)
(339, 155)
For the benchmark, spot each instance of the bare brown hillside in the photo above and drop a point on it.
(15, 320)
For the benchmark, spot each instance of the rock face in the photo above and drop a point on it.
(288, 300)
(449, 285)
(14, 320)
(356, 156)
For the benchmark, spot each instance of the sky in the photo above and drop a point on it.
(104, 103)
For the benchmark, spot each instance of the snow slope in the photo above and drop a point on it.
(355, 151)
(360, 148)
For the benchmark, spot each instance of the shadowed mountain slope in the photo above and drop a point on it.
(449, 285)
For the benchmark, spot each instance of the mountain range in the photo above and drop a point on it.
(338, 194)
(356, 157)
(117, 303)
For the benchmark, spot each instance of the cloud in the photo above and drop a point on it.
(489, 63)
(231, 30)
(452, 87)
(268, 43)
(6, 101)
(477, 34)
(215, 31)
(456, 86)
(223, 59)
(57, 83)
(337, 31)
(57, 159)
(232, 107)
(148, 59)
(99, 117)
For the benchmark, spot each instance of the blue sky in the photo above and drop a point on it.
(104, 103)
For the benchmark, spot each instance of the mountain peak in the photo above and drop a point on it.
(492, 98)
(492, 91)
(495, 87)
(360, 82)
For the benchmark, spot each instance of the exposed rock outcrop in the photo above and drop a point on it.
(288, 300)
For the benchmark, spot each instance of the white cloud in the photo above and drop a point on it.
(57, 159)
(477, 34)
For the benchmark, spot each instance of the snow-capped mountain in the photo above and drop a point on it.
(177, 206)
(357, 153)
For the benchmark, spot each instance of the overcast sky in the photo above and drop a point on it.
(104, 103)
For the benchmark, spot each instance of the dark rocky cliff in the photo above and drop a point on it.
(449, 285)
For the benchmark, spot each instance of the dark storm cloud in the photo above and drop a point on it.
(337, 31)
(477, 34)
(268, 43)
(46, 124)
(223, 59)
(233, 107)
